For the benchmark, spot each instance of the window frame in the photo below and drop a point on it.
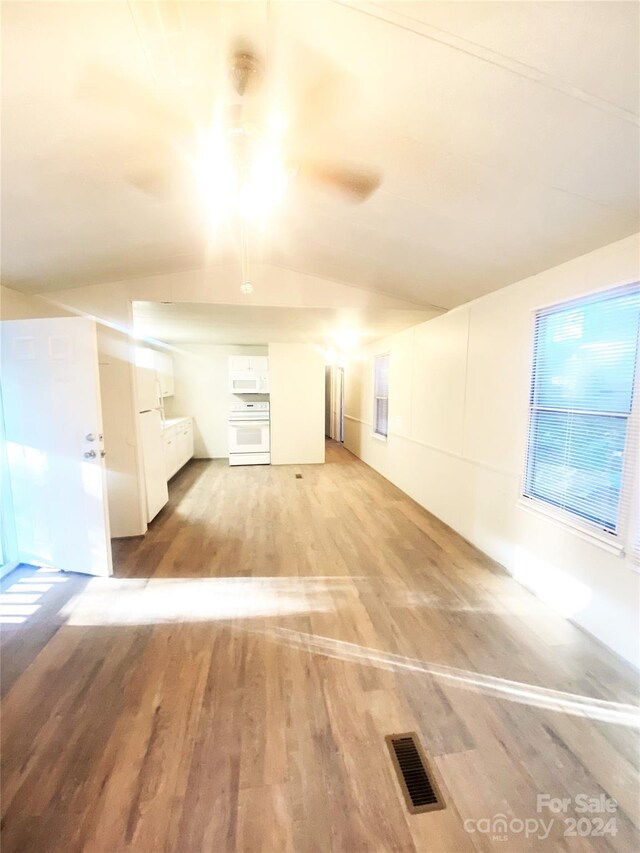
(619, 541)
(380, 436)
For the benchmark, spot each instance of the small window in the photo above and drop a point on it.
(381, 395)
(582, 443)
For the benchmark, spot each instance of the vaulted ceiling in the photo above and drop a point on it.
(506, 134)
(257, 324)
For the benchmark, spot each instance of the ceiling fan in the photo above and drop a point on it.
(243, 138)
(246, 156)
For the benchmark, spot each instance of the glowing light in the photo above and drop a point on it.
(276, 125)
(133, 601)
(18, 598)
(346, 338)
(27, 586)
(559, 590)
(48, 579)
(262, 192)
(241, 170)
(144, 358)
(214, 172)
(18, 609)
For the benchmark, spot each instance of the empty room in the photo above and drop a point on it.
(319, 426)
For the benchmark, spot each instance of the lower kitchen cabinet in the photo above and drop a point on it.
(178, 444)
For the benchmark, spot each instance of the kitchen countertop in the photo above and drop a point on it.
(171, 422)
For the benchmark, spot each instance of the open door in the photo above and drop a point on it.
(337, 403)
(54, 446)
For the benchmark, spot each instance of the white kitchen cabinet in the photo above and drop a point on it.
(249, 363)
(170, 453)
(239, 363)
(184, 442)
(178, 444)
(259, 363)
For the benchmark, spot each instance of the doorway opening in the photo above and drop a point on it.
(334, 402)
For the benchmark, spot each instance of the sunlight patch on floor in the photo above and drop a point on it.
(22, 598)
(501, 688)
(143, 601)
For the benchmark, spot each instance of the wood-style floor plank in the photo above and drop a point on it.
(231, 687)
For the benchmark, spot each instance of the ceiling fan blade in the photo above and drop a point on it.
(357, 184)
(161, 175)
(107, 89)
(316, 92)
(152, 183)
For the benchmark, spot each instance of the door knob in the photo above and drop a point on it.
(90, 436)
(89, 454)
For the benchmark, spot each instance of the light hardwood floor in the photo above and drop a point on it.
(231, 688)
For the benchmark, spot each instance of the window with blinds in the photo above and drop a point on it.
(583, 444)
(381, 395)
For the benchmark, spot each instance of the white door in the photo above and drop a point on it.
(53, 430)
(155, 476)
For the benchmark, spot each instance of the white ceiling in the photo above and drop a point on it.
(191, 323)
(507, 134)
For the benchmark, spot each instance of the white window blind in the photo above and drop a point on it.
(583, 422)
(381, 395)
(634, 448)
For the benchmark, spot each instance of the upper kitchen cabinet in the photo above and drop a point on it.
(239, 363)
(248, 363)
(259, 363)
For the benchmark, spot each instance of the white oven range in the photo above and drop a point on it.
(249, 439)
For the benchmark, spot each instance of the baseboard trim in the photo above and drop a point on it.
(602, 644)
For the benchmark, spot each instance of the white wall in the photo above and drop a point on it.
(22, 306)
(201, 379)
(110, 304)
(458, 392)
(297, 384)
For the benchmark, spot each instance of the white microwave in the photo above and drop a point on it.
(249, 382)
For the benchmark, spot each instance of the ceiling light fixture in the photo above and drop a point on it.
(242, 176)
(241, 170)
